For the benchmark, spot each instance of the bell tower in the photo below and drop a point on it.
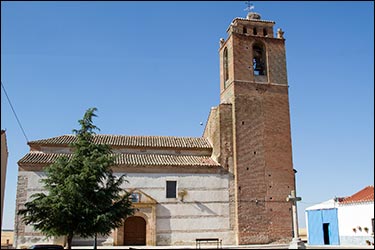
(254, 99)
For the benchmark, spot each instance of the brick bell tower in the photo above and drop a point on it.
(254, 141)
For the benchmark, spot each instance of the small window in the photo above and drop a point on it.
(265, 32)
(171, 189)
(135, 197)
(226, 73)
(255, 31)
(244, 30)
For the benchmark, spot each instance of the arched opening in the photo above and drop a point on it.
(259, 60)
(135, 231)
(225, 66)
(265, 33)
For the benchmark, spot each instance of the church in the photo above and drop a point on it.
(231, 183)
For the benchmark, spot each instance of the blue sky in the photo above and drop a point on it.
(152, 68)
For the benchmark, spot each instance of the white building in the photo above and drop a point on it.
(356, 218)
(342, 221)
(179, 191)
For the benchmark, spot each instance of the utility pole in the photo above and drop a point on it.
(296, 243)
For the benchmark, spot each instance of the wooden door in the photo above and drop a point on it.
(135, 231)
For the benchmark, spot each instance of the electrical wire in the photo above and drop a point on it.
(14, 112)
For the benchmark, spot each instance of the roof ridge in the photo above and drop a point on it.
(159, 136)
(151, 141)
(167, 136)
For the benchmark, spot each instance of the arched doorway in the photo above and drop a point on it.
(135, 231)
(145, 209)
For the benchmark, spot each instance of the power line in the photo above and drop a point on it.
(14, 112)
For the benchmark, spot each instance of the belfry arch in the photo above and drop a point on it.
(259, 59)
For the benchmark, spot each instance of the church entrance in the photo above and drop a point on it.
(135, 231)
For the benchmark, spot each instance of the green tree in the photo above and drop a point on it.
(82, 196)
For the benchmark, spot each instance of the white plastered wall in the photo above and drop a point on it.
(353, 219)
(204, 211)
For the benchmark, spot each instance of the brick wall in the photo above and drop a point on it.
(263, 162)
(261, 143)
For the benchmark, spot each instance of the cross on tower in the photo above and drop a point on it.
(293, 198)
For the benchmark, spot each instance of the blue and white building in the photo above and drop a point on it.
(342, 221)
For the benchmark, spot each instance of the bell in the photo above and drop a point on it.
(258, 67)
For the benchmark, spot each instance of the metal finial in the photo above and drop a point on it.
(249, 7)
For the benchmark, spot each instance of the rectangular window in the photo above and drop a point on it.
(171, 189)
(135, 197)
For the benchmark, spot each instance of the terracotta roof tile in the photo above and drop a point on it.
(134, 141)
(365, 195)
(130, 159)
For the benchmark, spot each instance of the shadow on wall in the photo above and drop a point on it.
(204, 208)
(163, 226)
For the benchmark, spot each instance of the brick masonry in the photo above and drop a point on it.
(263, 163)
(259, 135)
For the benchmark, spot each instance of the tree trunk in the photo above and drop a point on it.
(70, 239)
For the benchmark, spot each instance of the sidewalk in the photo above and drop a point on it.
(208, 246)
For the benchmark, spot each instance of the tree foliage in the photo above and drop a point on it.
(83, 197)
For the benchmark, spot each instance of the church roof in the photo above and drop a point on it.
(35, 157)
(133, 141)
